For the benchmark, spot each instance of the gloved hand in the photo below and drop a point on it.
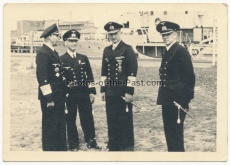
(103, 96)
(50, 105)
(128, 98)
(91, 96)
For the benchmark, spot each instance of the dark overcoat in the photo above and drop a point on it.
(177, 76)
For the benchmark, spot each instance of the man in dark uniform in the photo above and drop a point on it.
(119, 69)
(51, 92)
(177, 74)
(80, 92)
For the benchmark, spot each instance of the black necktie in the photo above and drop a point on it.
(74, 57)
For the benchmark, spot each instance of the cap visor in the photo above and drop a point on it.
(113, 31)
(167, 32)
(71, 38)
(56, 33)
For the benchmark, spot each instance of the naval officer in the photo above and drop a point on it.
(51, 92)
(119, 69)
(177, 74)
(80, 92)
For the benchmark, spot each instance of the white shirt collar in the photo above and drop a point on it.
(71, 53)
(115, 45)
(168, 47)
(50, 46)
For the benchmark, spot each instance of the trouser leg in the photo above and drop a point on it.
(71, 122)
(86, 118)
(174, 132)
(120, 124)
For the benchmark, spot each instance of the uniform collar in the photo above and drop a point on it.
(50, 46)
(115, 45)
(71, 53)
(168, 47)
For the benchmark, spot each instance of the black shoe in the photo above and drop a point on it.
(92, 144)
(74, 149)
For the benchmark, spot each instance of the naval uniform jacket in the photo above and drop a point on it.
(177, 76)
(49, 75)
(119, 70)
(78, 72)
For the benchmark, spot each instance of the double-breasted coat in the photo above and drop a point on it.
(51, 88)
(119, 70)
(178, 81)
(79, 83)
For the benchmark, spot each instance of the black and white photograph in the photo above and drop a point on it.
(115, 81)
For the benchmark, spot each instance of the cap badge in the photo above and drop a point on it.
(111, 27)
(73, 35)
(164, 28)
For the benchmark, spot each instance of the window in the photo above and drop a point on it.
(186, 12)
(165, 12)
(151, 13)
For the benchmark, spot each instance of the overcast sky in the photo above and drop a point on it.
(100, 13)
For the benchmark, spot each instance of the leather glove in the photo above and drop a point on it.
(128, 98)
(50, 105)
(92, 97)
(103, 96)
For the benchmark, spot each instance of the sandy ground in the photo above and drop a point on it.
(200, 132)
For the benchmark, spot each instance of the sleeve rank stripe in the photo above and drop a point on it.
(46, 89)
(130, 81)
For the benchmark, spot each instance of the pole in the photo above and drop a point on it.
(31, 49)
(70, 19)
(214, 44)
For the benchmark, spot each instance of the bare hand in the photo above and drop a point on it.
(128, 98)
(91, 96)
(103, 96)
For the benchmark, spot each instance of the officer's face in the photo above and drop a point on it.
(169, 38)
(54, 39)
(115, 37)
(71, 44)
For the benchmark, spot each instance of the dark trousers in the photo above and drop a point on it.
(174, 132)
(53, 126)
(84, 107)
(120, 124)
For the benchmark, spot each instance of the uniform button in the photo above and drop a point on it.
(74, 76)
(81, 72)
(164, 85)
(72, 69)
(160, 74)
(116, 68)
(81, 75)
(82, 79)
(109, 78)
(108, 69)
(108, 73)
(116, 73)
(165, 68)
(164, 74)
(81, 68)
(75, 80)
(116, 78)
(116, 64)
(73, 72)
(108, 64)
(164, 80)
(166, 62)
